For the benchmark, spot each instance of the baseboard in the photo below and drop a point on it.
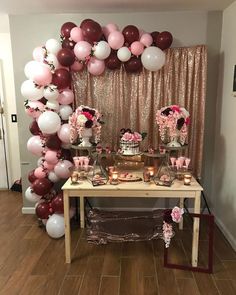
(28, 210)
(226, 233)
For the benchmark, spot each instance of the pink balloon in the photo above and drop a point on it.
(35, 146)
(39, 54)
(82, 50)
(77, 66)
(40, 173)
(66, 97)
(42, 75)
(51, 157)
(96, 66)
(34, 109)
(62, 169)
(109, 28)
(137, 48)
(146, 39)
(116, 40)
(76, 34)
(64, 133)
(48, 166)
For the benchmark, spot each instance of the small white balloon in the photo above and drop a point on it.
(49, 122)
(31, 196)
(52, 61)
(153, 58)
(30, 91)
(53, 177)
(30, 68)
(51, 92)
(124, 54)
(102, 50)
(65, 112)
(55, 226)
(53, 46)
(53, 105)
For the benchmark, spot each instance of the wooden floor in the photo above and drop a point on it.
(32, 263)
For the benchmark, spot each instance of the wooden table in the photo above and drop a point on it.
(132, 190)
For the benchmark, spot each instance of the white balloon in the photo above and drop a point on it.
(53, 177)
(30, 91)
(52, 61)
(102, 50)
(51, 92)
(49, 122)
(124, 54)
(30, 68)
(55, 226)
(65, 112)
(53, 46)
(31, 196)
(153, 58)
(53, 105)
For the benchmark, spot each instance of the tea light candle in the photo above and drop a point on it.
(114, 177)
(151, 171)
(74, 177)
(187, 179)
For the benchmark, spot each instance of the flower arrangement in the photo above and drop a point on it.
(175, 119)
(84, 118)
(128, 135)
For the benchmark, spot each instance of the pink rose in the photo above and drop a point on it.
(176, 214)
(127, 136)
(87, 115)
(137, 136)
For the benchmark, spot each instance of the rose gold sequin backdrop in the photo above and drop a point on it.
(131, 100)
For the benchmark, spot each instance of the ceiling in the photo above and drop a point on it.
(93, 6)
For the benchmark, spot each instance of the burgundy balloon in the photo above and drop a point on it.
(57, 204)
(92, 31)
(131, 34)
(66, 28)
(34, 128)
(67, 43)
(61, 78)
(154, 36)
(43, 210)
(164, 40)
(133, 65)
(113, 62)
(42, 186)
(85, 21)
(31, 176)
(66, 57)
(53, 142)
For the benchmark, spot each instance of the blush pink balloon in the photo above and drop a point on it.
(39, 54)
(48, 166)
(116, 40)
(51, 157)
(35, 146)
(42, 75)
(77, 66)
(82, 49)
(96, 66)
(76, 34)
(34, 109)
(137, 48)
(109, 28)
(146, 39)
(66, 97)
(40, 173)
(64, 133)
(62, 169)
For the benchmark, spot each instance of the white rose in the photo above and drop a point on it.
(81, 119)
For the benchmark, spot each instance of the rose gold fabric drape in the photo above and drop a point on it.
(131, 100)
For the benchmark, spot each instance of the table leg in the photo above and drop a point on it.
(181, 205)
(196, 223)
(81, 212)
(67, 227)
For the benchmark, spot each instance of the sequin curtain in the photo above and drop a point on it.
(131, 100)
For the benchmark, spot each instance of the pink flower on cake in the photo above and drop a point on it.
(87, 115)
(177, 214)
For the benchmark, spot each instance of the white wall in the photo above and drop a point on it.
(224, 169)
(188, 28)
(9, 100)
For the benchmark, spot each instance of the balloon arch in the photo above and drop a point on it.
(49, 98)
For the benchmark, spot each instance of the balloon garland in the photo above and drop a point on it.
(48, 98)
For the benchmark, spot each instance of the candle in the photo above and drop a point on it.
(151, 170)
(146, 175)
(74, 177)
(187, 179)
(114, 177)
